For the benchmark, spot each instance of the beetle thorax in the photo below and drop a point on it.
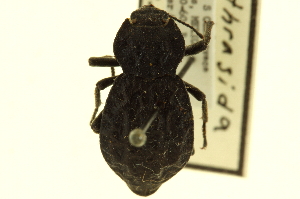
(149, 44)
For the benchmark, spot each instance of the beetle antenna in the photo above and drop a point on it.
(187, 25)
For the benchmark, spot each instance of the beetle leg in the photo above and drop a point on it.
(105, 61)
(200, 96)
(95, 124)
(113, 73)
(201, 45)
(101, 85)
(193, 151)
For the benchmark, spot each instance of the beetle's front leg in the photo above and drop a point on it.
(203, 44)
(101, 85)
(200, 96)
(104, 61)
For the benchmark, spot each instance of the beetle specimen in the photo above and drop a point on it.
(146, 128)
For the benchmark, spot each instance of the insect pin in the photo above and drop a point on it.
(146, 128)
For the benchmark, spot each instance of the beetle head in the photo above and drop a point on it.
(149, 44)
(149, 16)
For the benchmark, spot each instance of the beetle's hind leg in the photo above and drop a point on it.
(101, 85)
(193, 151)
(96, 123)
(200, 96)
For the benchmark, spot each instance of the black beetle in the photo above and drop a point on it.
(149, 100)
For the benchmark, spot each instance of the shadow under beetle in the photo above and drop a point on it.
(146, 128)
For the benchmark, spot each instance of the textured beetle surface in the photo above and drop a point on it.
(170, 137)
(149, 46)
